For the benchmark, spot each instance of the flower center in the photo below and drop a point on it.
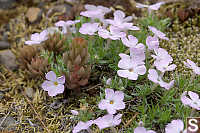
(131, 70)
(111, 102)
(55, 83)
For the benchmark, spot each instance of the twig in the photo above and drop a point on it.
(39, 117)
(93, 87)
(129, 121)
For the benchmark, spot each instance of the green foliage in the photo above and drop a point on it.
(56, 62)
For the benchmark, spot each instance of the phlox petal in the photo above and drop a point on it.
(119, 15)
(61, 80)
(193, 96)
(46, 84)
(109, 93)
(51, 76)
(184, 99)
(141, 70)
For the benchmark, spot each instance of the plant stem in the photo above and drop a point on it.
(192, 112)
(107, 43)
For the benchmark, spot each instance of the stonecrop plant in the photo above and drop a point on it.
(70, 54)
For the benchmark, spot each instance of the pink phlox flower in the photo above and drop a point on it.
(131, 68)
(154, 77)
(94, 12)
(113, 101)
(53, 84)
(37, 38)
(131, 41)
(176, 126)
(158, 33)
(82, 126)
(152, 42)
(166, 67)
(89, 28)
(141, 129)
(113, 34)
(190, 64)
(161, 57)
(137, 53)
(108, 121)
(66, 25)
(74, 112)
(192, 101)
(120, 21)
(150, 7)
(93, 8)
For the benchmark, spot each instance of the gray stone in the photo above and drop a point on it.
(34, 14)
(8, 123)
(8, 59)
(1, 95)
(7, 4)
(4, 45)
(29, 92)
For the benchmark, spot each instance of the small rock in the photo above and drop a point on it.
(8, 59)
(8, 123)
(58, 103)
(7, 4)
(4, 45)
(29, 92)
(34, 14)
(1, 95)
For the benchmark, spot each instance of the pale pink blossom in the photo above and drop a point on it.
(163, 60)
(158, 33)
(93, 8)
(192, 101)
(161, 57)
(152, 42)
(137, 53)
(121, 22)
(66, 25)
(154, 77)
(176, 126)
(37, 38)
(141, 129)
(82, 126)
(131, 68)
(113, 101)
(113, 34)
(94, 12)
(166, 67)
(150, 7)
(74, 112)
(89, 28)
(53, 84)
(131, 41)
(190, 64)
(108, 121)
